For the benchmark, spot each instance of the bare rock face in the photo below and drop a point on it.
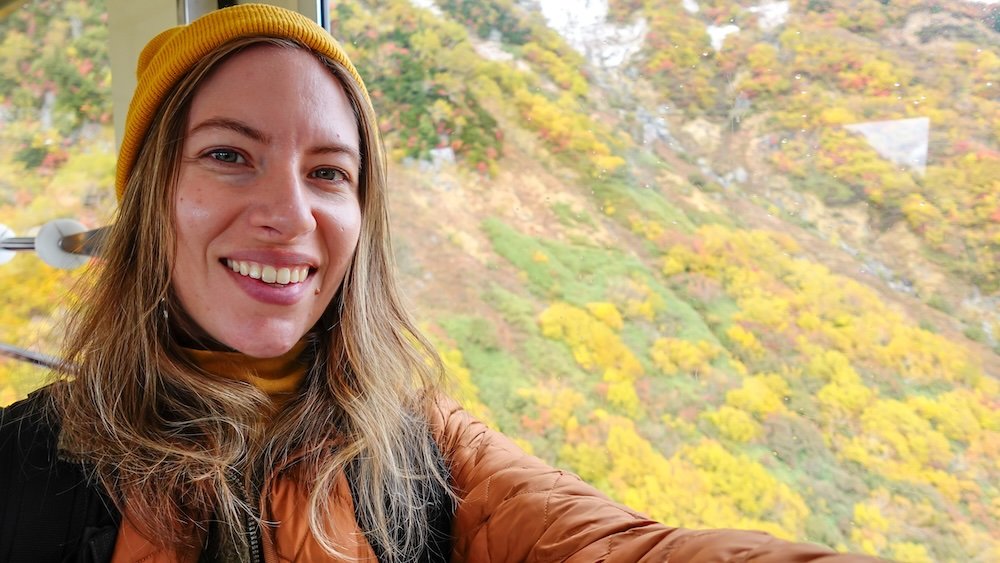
(705, 134)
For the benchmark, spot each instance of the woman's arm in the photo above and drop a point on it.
(514, 507)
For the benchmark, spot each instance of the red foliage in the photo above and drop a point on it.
(84, 67)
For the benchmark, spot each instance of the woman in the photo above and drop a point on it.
(245, 383)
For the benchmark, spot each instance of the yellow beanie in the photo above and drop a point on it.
(171, 54)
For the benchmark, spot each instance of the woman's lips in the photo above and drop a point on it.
(271, 284)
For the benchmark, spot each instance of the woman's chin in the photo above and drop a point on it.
(265, 348)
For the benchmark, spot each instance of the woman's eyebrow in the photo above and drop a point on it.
(337, 148)
(233, 125)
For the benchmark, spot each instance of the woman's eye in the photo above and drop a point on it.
(329, 174)
(227, 156)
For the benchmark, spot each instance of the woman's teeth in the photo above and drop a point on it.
(267, 273)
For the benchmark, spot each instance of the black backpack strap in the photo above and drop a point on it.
(440, 508)
(48, 510)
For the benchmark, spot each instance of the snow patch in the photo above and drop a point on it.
(691, 6)
(586, 29)
(903, 141)
(771, 15)
(717, 34)
(427, 5)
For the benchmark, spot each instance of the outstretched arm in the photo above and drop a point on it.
(514, 507)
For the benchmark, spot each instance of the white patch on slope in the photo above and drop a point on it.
(717, 34)
(903, 141)
(427, 5)
(586, 28)
(771, 15)
(491, 51)
(691, 6)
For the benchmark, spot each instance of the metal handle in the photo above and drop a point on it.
(35, 358)
(63, 243)
(87, 243)
(16, 244)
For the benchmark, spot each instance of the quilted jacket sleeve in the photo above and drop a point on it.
(514, 507)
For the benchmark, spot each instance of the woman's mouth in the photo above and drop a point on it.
(281, 275)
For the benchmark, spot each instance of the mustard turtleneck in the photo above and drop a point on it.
(279, 377)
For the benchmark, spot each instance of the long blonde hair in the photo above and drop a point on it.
(166, 439)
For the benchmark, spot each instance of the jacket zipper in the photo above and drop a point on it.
(254, 539)
(253, 530)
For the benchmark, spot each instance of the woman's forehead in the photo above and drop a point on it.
(279, 92)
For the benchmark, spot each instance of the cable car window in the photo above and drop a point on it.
(735, 263)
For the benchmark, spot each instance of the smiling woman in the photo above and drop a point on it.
(245, 385)
(210, 401)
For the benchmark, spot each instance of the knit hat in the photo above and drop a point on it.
(172, 53)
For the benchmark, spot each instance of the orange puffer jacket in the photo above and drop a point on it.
(513, 507)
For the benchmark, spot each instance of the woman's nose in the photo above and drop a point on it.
(281, 208)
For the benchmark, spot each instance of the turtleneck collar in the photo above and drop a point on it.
(279, 377)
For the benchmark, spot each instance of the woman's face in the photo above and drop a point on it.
(266, 212)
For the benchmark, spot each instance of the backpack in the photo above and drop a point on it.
(50, 512)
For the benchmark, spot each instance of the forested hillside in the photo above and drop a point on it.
(677, 251)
